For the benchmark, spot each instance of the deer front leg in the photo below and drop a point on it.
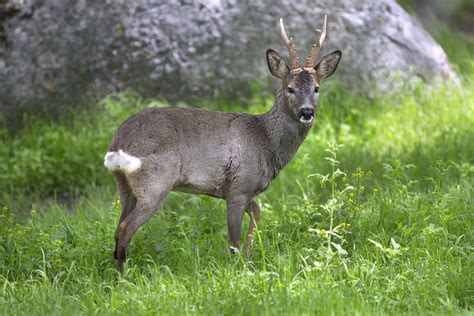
(235, 212)
(253, 210)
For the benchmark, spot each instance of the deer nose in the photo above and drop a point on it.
(306, 114)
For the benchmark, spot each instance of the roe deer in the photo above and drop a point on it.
(233, 156)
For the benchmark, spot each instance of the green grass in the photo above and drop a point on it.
(381, 223)
(408, 169)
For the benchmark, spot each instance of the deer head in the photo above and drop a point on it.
(301, 84)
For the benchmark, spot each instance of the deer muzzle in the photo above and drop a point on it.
(306, 115)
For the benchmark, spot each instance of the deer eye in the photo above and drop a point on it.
(291, 90)
(316, 90)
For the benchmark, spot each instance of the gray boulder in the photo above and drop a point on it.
(62, 51)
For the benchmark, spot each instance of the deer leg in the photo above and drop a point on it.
(146, 207)
(127, 202)
(253, 210)
(235, 212)
(149, 192)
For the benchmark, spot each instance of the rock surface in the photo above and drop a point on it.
(63, 50)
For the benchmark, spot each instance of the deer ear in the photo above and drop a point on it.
(327, 66)
(276, 64)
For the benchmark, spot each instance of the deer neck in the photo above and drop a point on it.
(284, 132)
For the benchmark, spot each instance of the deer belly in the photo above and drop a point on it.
(201, 181)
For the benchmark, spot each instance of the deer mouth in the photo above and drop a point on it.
(306, 115)
(306, 121)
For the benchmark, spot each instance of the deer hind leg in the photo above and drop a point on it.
(127, 202)
(235, 212)
(253, 210)
(149, 186)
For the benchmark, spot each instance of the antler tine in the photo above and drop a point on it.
(295, 63)
(317, 45)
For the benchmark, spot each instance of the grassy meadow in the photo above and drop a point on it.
(374, 215)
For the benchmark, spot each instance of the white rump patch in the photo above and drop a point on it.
(119, 160)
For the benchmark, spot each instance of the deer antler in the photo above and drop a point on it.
(317, 45)
(295, 63)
